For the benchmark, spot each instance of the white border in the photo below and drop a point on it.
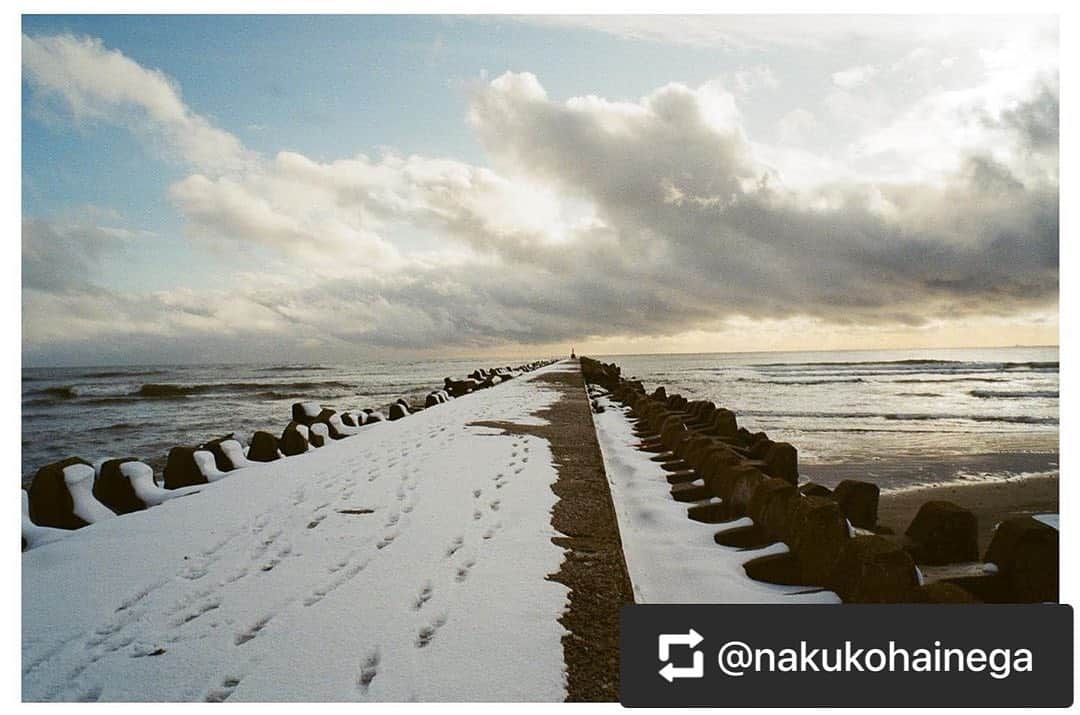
(10, 259)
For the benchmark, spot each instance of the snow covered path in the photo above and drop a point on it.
(405, 563)
(671, 558)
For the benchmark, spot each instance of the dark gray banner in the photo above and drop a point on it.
(847, 655)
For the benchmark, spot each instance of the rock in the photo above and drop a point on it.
(375, 417)
(294, 439)
(305, 413)
(1026, 552)
(782, 569)
(113, 489)
(818, 532)
(859, 502)
(319, 435)
(228, 453)
(721, 474)
(673, 434)
(398, 410)
(985, 588)
(724, 423)
(348, 420)
(760, 447)
(689, 492)
(34, 535)
(61, 496)
(711, 513)
(744, 537)
(264, 447)
(943, 533)
(660, 394)
(336, 427)
(457, 388)
(872, 569)
(812, 489)
(431, 400)
(783, 462)
(181, 470)
(943, 592)
(765, 492)
(744, 483)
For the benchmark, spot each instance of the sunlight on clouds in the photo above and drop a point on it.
(662, 223)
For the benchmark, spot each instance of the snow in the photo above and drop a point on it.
(340, 427)
(79, 479)
(235, 452)
(321, 430)
(1053, 520)
(311, 409)
(141, 478)
(37, 535)
(408, 562)
(671, 558)
(204, 460)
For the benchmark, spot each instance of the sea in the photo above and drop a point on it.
(143, 411)
(900, 418)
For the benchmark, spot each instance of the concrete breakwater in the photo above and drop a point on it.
(749, 487)
(72, 493)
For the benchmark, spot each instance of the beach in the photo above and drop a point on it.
(992, 502)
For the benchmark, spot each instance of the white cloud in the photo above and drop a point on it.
(94, 82)
(596, 217)
(854, 77)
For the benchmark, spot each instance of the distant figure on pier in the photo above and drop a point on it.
(572, 355)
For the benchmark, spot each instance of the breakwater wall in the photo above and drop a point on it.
(72, 493)
(728, 475)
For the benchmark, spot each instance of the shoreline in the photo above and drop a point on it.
(990, 501)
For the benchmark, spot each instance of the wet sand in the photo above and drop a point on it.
(991, 501)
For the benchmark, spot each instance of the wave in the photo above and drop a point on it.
(937, 380)
(165, 391)
(919, 394)
(293, 368)
(821, 381)
(824, 381)
(123, 373)
(110, 394)
(65, 392)
(1013, 394)
(902, 368)
(841, 363)
(908, 417)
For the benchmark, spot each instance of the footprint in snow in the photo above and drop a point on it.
(250, 633)
(221, 693)
(427, 633)
(454, 546)
(368, 670)
(463, 571)
(424, 596)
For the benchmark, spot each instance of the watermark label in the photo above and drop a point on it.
(847, 655)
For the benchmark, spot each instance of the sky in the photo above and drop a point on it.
(334, 188)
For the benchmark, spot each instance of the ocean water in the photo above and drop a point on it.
(102, 412)
(899, 418)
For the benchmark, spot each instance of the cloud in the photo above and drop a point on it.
(818, 32)
(594, 218)
(854, 77)
(95, 83)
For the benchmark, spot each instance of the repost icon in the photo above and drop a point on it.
(670, 671)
